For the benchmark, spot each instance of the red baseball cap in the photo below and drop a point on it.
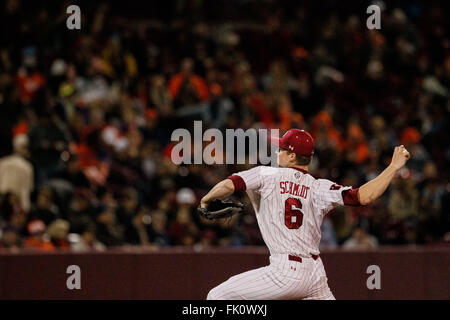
(295, 140)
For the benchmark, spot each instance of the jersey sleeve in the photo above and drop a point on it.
(248, 180)
(328, 195)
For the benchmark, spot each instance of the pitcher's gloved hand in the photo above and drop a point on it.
(218, 209)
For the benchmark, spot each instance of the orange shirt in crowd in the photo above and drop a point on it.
(197, 82)
(323, 118)
(357, 142)
(39, 244)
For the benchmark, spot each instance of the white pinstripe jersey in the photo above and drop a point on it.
(290, 206)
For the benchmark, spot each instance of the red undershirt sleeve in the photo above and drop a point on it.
(239, 183)
(350, 197)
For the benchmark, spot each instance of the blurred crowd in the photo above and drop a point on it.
(86, 116)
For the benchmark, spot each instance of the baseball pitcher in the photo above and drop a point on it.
(290, 205)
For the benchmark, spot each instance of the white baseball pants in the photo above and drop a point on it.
(283, 279)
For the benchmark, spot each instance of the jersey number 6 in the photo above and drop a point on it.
(293, 217)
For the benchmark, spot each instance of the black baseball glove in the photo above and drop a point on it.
(218, 209)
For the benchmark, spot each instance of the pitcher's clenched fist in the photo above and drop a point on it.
(400, 156)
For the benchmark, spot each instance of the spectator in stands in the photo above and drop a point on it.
(186, 87)
(157, 232)
(29, 79)
(39, 238)
(108, 231)
(72, 173)
(87, 240)
(81, 211)
(126, 213)
(45, 209)
(183, 231)
(47, 141)
(356, 146)
(13, 228)
(58, 231)
(9, 207)
(16, 172)
(160, 98)
(360, 239)
(10, 238)
(403, 200)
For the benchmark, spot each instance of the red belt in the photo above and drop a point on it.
(299, 259)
